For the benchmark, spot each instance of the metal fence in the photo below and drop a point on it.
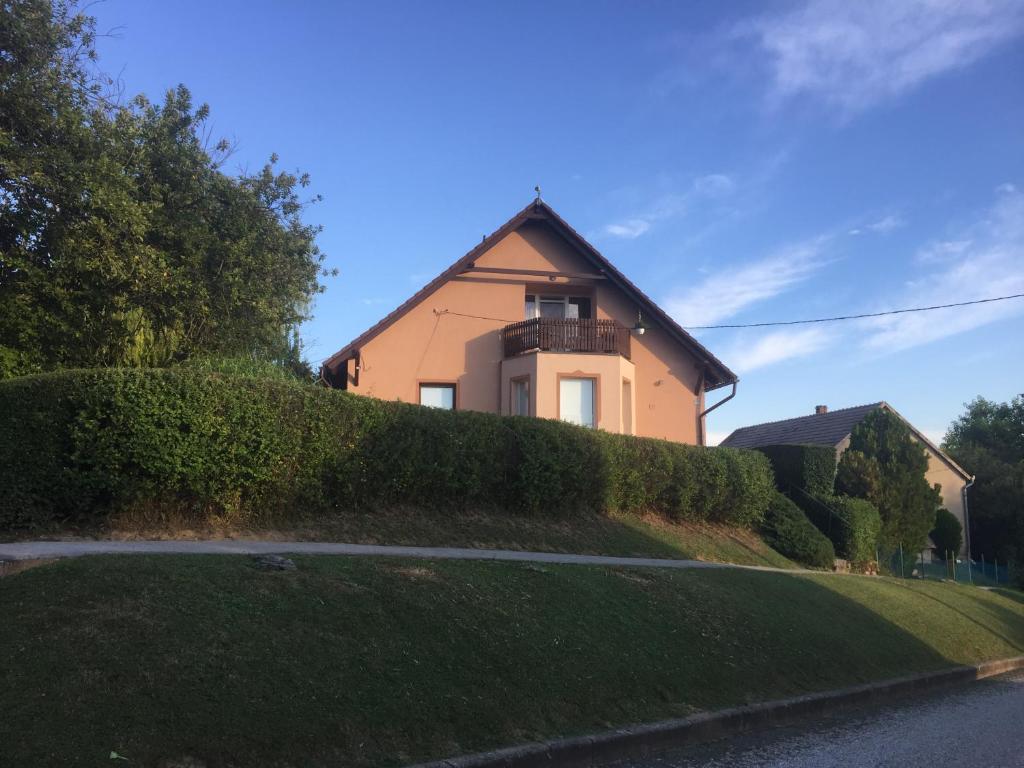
(927, 564)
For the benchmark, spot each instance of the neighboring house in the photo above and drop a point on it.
(833, 428)
(535, 322)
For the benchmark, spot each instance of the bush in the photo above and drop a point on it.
(787, 530)
(852, 525)
(810, 467)
(948, 534)
(78, 445)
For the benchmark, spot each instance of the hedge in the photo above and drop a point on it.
(76, 446)
(787, 530)
(810, 467)
(853, 525)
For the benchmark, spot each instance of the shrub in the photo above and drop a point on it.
(810, 467)
(948, 534)
(78, 445)
(787, 530)
(852, 525)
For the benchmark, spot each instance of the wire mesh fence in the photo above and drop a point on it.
(947, 566)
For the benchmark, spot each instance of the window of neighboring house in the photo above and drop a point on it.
(577, 401)
(519, 397)
(438, 396)
(573, 307)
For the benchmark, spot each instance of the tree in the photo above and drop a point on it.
(122, 241)
(988, 439)
(886, 466)
(948, 534)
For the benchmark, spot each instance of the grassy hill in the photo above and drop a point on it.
(373, 662)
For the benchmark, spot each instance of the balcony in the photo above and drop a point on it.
(550, 334)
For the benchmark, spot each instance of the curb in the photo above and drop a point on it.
(642, 740)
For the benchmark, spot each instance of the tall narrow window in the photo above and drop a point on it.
(627, 407)
(576, 401)
(438, 396)
(520, 396)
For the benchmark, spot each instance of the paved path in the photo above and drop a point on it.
(980, 724)
(34, 550)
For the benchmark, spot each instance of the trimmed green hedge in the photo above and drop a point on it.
(787, 530)
(853, 525)
(78, 445)
(810, 467)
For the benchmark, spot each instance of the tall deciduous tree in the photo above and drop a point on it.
(988, 439)
(885, 465)
(122, 241)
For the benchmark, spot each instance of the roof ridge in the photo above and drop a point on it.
(810, 415)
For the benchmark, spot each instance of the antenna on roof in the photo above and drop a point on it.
(537, 190)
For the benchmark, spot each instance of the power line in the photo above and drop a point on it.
(855, 317)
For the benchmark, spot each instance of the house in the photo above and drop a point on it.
(533, 321)
(833, 428)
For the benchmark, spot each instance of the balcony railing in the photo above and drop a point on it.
(551, 334)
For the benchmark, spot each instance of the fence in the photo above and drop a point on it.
(925, 564)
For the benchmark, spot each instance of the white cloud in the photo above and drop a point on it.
(371, 301)
(886, 224)
(714, 185)
(711, 186)
(988, 261)
(731, 290)
(714, 437)
(628, 229)
(856, 53)
(777, 346)
(942, 251)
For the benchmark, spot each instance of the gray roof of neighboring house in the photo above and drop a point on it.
(817, 429)
(824, 429)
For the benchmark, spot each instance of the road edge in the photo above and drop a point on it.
(641, 740)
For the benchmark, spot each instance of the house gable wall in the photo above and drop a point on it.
(426, 344)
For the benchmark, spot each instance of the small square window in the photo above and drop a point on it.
(438, 396)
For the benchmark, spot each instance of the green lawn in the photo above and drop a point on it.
(358, 661)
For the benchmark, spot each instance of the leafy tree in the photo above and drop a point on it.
(122, 241)
(886, 466)
(948, 533)
(988, 439)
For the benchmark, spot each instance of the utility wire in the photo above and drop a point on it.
(856, 317)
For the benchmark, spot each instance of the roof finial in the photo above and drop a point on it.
(537, 190)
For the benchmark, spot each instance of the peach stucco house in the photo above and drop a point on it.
(535, 322)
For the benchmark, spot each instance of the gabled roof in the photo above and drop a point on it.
(717, 373)
(817, 429)
(825, 429)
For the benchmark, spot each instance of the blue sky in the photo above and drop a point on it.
(741, 162)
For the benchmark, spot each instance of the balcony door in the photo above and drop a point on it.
(558, 307)
(577, 400)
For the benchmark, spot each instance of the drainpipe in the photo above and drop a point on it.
(967, 518)
(706, 411)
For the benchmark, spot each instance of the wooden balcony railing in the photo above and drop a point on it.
(551, 334)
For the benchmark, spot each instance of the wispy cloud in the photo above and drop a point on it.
(853, 55)
(713, 186)
(630, 229)
(777, 346)
(987, 261)
(886, 224)
(726, 293)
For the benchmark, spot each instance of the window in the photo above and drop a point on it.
(627, 407)
(572, 307)
(519, 395)
(438, 396)
(576, 401)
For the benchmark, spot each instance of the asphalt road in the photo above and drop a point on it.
(981, 724)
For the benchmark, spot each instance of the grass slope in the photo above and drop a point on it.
(380, 662)
(622, 535)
